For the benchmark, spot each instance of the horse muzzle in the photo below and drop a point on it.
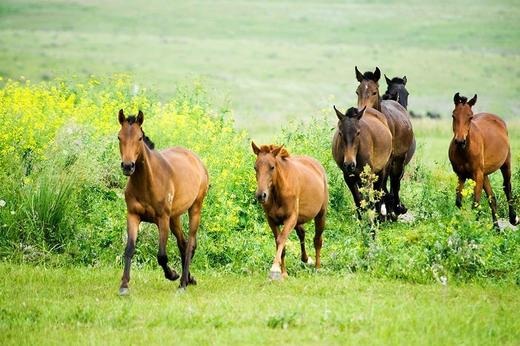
(128, 168)
(461, 142)
(262, 197)
(350, 167)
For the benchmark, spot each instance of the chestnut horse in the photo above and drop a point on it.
(292, 190)
(362, 138)
(162, 186)
(403, 140)
(396, 90)
(479, 147)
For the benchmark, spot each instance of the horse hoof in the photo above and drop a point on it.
(310, 261)
(192, 281)
(124, 291)
(181, 290)
(514, 221)
(400, 209)
(172, 276)
(275, 275)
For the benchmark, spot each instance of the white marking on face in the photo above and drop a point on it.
(383, 209)
(170, 197)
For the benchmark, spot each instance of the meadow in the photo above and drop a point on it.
(211, 76)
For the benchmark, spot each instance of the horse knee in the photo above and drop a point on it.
(162, 260)
(130, 250)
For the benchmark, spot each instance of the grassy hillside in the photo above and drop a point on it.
(274, 60)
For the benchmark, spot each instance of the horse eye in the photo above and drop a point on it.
(374, 93)
(357, 133)
(357, 92)
(119, 138)
(272, 167)
(141, 138)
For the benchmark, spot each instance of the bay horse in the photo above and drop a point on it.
(292, 190)
(162, 186)
(396, 90)
(403, 140)
(362, 138)
(480, 146)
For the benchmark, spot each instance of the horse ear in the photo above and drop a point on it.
(472, 102)
(256, 149)
(388, 81)
(121, 116)
(361, 112)
(338, 113)
(404, 80)
(456, 99)
(377, 74)
(276, 151)
(359, 75)
(140, 118)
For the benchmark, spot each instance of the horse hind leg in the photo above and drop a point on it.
(506, 173)
(301, 235)
(396, 174)
(194, 215)
(492, 201)
(319, 225)
(162, 257)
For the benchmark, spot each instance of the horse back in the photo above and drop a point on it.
(189, 177)
(493, 132)
(400, 126)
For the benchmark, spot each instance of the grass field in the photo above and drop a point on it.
(269, 64)
(80, 306)
(274, 60)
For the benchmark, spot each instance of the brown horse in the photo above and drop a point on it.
(292, 191)
(479, 147)
(162, 186)
(362, 138)
(403, 140)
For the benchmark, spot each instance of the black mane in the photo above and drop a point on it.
(352, 112)
(463, 100)
(133, 119)
(397, 80)
(369, 76)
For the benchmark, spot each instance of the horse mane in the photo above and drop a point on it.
(352, 112)
(369, 76)
(133, 119)
(463, 100)
(397, 80)
(266, 149)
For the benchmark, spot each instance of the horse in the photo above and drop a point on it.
(292, 190)
(480, 146)
(362, 138)
(403, 140)
(396, 90)
(162, 185)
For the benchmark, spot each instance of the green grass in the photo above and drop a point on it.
(274, 60)
(77, 306)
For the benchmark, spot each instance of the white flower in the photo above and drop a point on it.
(2, 203)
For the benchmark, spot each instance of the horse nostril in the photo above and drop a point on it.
(132, 165)
(264, 195)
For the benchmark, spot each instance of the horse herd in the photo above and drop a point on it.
(292, 190)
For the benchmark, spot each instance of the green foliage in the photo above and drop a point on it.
(63, 193)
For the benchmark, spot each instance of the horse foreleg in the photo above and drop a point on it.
(194, 214)
(276, 231)
(506, 173)
(176, 229)
(301, 235)
(460, 186)
(289, 224)
(162, 257)
(133, 221)
(492, 201)
(353, 187)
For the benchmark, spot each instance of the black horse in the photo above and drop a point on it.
(396, 90)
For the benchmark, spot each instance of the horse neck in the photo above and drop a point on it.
(280, 183)
(142, 177)
(377, 105)
(402, 97)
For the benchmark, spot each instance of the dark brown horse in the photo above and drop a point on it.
(292, 190)
(162, 186)
(480, 146)
(396, 90)
(362, 138)
(403, 140)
